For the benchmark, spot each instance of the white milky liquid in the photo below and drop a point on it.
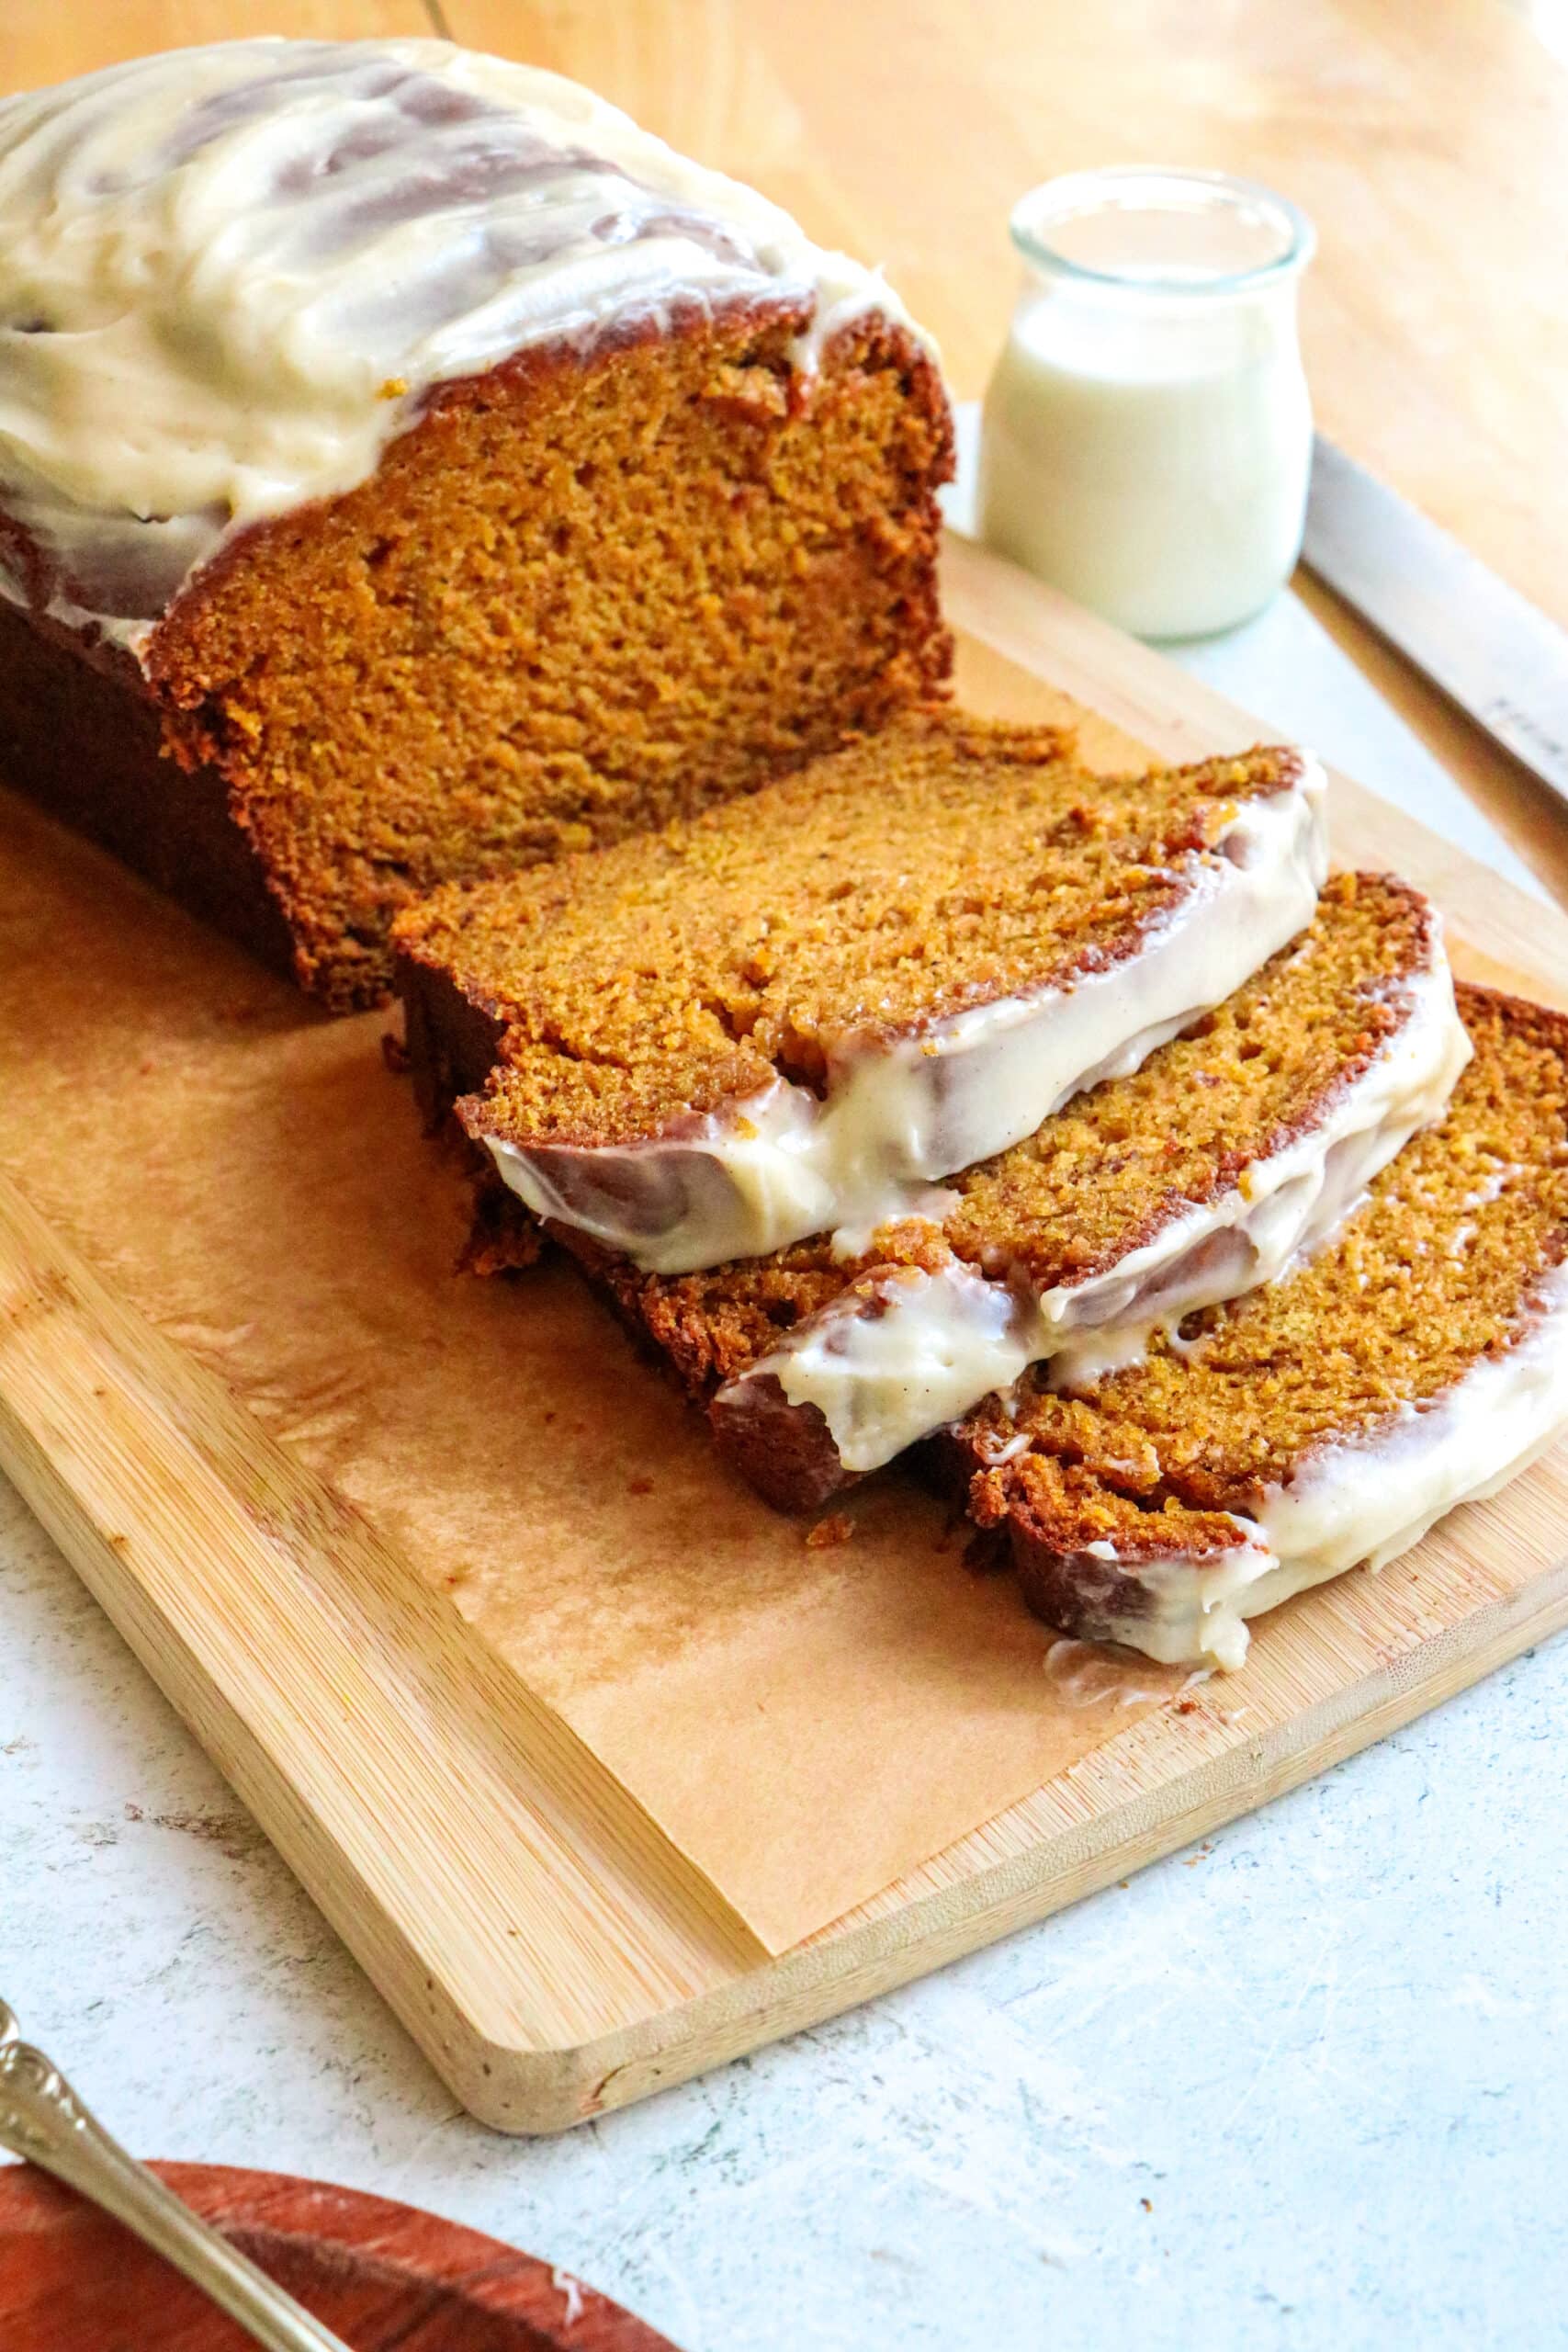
(1152, 459)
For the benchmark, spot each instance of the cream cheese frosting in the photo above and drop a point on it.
(894, 1360)
(1362, 1501)
(230, 275)
(896, 1119)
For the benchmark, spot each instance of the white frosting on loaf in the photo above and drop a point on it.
(230, 275)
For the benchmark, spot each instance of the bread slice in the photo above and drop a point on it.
(1419, 1362)
(1234, 1149)
(791, 1015)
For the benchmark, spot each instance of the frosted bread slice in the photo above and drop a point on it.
(1234, 1149)
(794, 1013)
(1418, 1363)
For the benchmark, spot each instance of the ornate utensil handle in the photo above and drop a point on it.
(41, 2118)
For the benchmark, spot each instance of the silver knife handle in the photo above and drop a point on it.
(41, 2118)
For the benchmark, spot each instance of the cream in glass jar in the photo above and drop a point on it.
(1148, 435)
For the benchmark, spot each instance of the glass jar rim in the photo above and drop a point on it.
(1074, 195)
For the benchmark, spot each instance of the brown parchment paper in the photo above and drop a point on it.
(807, 1724)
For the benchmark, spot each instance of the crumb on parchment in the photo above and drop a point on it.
(837, 1528)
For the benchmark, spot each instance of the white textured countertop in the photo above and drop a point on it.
(1302, 2088)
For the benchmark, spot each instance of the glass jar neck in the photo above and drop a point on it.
(1158, 240)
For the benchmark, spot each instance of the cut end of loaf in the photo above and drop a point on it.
(582, 595)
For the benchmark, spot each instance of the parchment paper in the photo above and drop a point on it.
(807, 1723)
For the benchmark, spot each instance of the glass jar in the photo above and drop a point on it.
(1147, 433)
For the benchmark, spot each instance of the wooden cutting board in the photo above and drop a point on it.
(529, 1867)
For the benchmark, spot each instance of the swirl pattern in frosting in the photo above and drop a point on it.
(230, 275)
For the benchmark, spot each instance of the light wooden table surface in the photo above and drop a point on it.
(1428, 139)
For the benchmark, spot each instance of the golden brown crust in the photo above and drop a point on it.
(81, 734)
(703, 1331)
(1059, 1520)
(451, 1039)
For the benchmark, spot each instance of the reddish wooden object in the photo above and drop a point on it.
(382, 2275)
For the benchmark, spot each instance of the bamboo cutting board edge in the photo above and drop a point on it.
(629, 1972)
(889, 1942)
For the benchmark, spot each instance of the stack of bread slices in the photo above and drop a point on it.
(1081, 1133)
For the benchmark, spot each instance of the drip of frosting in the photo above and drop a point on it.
(894, 1359)
(900, 1117)
(230, 275)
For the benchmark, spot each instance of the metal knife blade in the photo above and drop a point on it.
(1483, 644)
